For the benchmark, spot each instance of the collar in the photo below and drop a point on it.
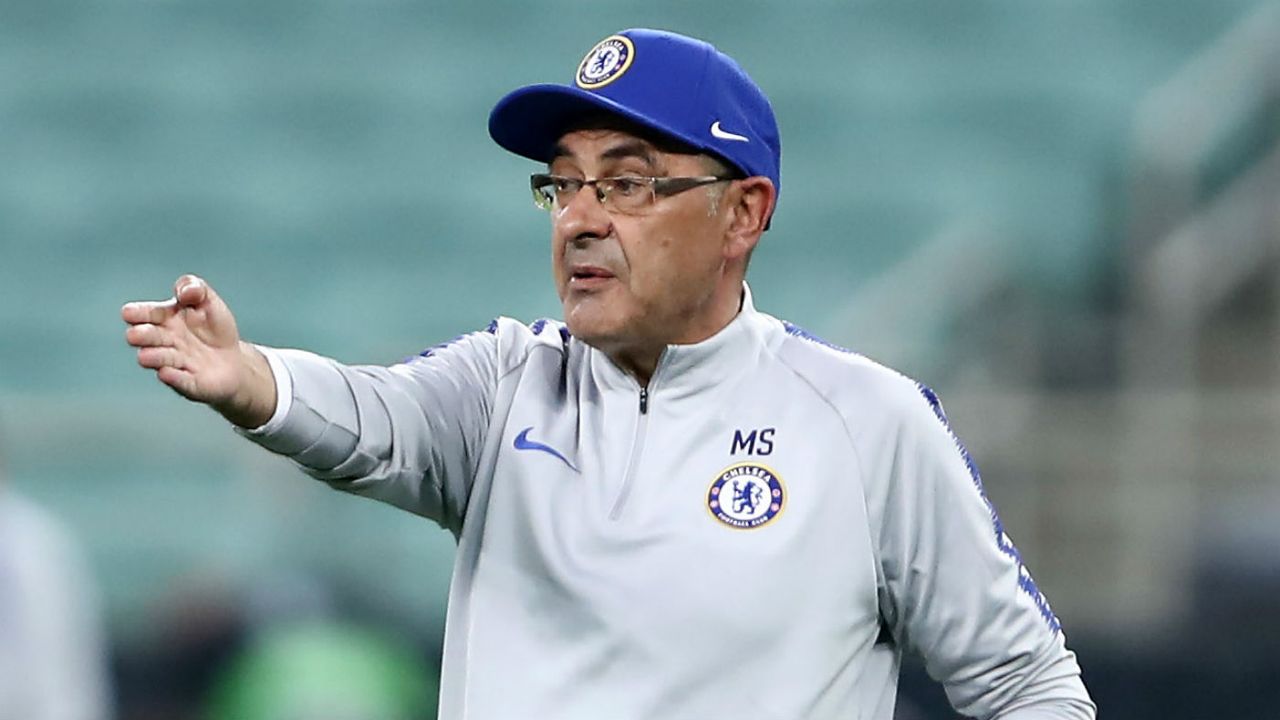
(685, 370)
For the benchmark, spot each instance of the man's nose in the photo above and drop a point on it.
(583, 217)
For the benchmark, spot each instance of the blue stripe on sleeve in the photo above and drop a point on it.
(1002, 539)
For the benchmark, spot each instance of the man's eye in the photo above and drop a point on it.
(566, 184)
(627, 186)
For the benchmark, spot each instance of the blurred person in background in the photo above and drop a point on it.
(53, 659)
(318, 668)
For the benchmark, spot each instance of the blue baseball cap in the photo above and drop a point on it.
(677, 86)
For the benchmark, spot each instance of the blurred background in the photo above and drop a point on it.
(1060, 215)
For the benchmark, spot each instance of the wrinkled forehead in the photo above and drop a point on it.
(621, 138)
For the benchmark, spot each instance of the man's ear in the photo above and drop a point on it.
(751, 203)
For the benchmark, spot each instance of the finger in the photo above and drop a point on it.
(180, 380)
(190, 291)
(154, 358)
(148, 312)
(148, 335)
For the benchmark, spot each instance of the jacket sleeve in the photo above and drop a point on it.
(953, 587)
(410, 435)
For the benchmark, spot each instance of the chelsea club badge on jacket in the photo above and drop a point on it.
(746, 496)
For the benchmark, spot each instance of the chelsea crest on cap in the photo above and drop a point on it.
(607, 60)
(676, 86)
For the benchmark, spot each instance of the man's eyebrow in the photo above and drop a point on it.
(631, 148)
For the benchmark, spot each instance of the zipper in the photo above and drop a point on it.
(637, 445)
(633, 462)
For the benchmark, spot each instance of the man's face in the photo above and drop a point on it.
(631, 281)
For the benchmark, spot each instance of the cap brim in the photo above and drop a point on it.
(531, 120)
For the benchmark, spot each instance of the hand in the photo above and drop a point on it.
(192, 343)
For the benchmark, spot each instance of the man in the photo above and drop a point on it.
(671, 505)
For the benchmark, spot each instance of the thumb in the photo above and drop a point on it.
(191, 291)
(204, 313)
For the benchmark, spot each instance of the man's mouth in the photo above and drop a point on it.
(585, 276)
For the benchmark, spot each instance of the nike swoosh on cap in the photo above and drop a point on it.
(523, 442)
(717, 131)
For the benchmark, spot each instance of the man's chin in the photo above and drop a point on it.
(591, 327)
(590, 333)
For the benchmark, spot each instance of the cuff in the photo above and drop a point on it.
(284, 394)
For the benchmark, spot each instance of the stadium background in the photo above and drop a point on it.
(1061, 215)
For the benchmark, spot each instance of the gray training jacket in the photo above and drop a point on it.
(760, 533)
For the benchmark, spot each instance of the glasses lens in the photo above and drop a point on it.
(543, 191)
(626, 194)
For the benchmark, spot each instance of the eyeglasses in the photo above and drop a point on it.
(627, 194)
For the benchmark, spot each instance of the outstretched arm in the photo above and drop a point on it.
(192, 343)
(410, 435)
